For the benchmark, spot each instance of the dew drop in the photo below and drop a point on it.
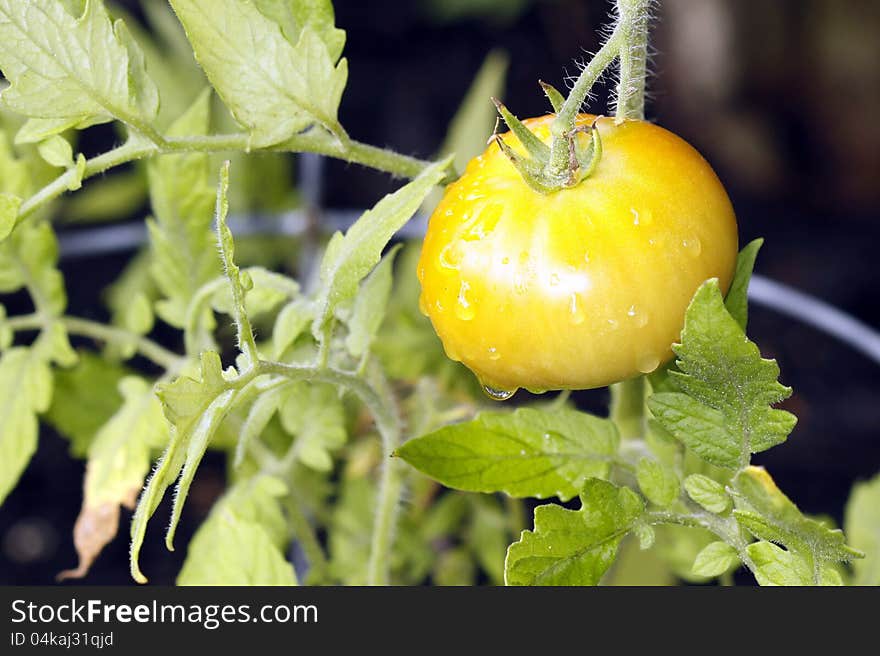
(648, 363)
(575, 310)
(494, 354)
(640, 318)
(692, 246)
(613, 324)
(632, 311)
(464, 309)
(522, 452)
(498, 394)
(451, 256)
(635, 214)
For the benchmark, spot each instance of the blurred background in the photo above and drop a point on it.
(781, 97)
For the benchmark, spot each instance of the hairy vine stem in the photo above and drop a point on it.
(154, 352)
(313, 141)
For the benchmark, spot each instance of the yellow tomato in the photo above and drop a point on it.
(582, 287)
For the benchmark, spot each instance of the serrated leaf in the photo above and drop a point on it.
(369, 306)
(574, 547)
(72, 71)
(315, 415)
(349, 258)
(241, 541)
(715, 559)
(768, 514)
(85, 398)
(777, 567)
(182, 197)
(707, 492)
(294, 17)
(25, 391)
(862, 525)
(526, 453)
(658, 483)
(274, 87)
(118, 461)
(737, 300)
(194, 407)
(723, 411)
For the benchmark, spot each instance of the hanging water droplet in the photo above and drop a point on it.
(648, 363)
(692, 246)
(575, 310)
(494, 354)
(464, 309)
(497, 394)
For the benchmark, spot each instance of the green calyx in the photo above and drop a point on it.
(565, 163)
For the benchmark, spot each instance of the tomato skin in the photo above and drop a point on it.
(585, 286)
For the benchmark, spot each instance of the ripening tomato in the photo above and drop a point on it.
(581, 287)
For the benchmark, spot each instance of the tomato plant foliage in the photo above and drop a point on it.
(331, 398)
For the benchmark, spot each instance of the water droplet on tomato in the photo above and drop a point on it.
(464, 308)
(451, 256)
(648, 363)
(635, 214)
(575, 310)
(640, 318)
(692, 246)
(587, 258)
(498, 394)
(494, 354)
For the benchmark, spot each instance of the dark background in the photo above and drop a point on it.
(782, 98)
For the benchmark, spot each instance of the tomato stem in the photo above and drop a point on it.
(633, 19)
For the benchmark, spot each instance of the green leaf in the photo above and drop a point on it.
(315, 415)
(723, 411)
(349, 258)
(182, 240)
(776, 566)
(57, 151)
(291, 322)
(9, 205)
(369, 306)
(130, 301)
(737, 301)
(526, 453)
(25, 391)
(715, 559)
(273, 86)
(241, 541)
(195, 408)
(862, 525)
(85, 398)
(707, 492)
(72, 71)
(488, 536)
(768, 514)
(118, 461)
(294, 17)
(28, 258)
(658, 483)
(574, 547)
